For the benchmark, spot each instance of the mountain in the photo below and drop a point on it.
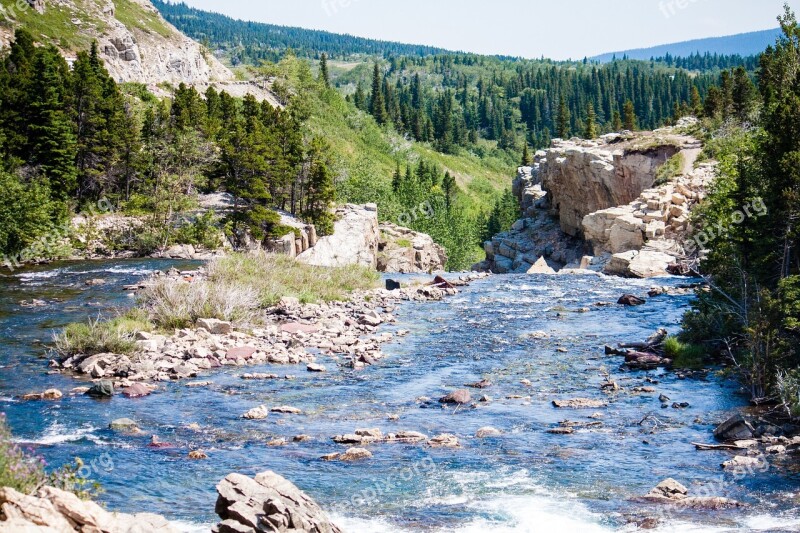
(134, 41)
(744, 44)
(269, 41)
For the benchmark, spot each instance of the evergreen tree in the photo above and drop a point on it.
(377, 105)
(563, 125)
(630, 120)
(526, 156)
(449, 187)
(591, 122)
(324, 76)
(616, 123)
(320, 192)
(696, 102)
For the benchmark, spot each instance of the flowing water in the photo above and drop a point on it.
(525, 480)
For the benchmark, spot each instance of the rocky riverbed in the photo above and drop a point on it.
(499, 409)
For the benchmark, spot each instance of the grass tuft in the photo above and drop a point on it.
(99, 336)
(689, 356)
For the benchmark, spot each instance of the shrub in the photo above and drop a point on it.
(18, 470)
(683, 355)
(670, 170)
(97, 336)
(175, 304)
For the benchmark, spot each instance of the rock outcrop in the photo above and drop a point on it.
(293, 244)
(595, 205)
(406, 251)
(354, 240)
(267, 503)
(54, 510)
(136, 46)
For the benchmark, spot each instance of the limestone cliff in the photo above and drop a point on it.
(135, 42)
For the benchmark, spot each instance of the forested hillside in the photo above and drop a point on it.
(251, 42)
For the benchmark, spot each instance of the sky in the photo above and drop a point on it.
(556, 29)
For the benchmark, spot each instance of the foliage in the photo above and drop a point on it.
(690, 356)
(750, 223)
(102, 336)
(670, 170)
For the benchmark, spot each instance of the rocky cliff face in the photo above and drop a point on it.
(582, 177)
(593, 204)
(135, 42)
(354, 240)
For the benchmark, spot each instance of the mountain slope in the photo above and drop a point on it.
(135, 42)
(744, 44)
(270, 41)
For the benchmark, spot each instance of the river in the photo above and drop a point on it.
(525, 480)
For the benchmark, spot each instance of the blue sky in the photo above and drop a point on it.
(557, 29)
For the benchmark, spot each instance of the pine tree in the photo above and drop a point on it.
(563, 124)
(629, 116)
(320, 192)
(324, 76)
(360, 98)
(526, 156)
(51, 130)
(591, 122)
(744, 94)
(616, 122)
(397, 178)
(449, 187)
(377, 104)
(696, 102)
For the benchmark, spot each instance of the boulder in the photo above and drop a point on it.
(639, 264)
(102, 389)
(459, 397)
(137, 390)
(257, 413)
(733, 429)
(353, 242)
(124, 424)
(268, 503)
(741, 461)
(541, 267)
(444, 440)
(214, 326)
(579, 403)
(405, 251)
(669, 488)
(487, 432)
(631, 300)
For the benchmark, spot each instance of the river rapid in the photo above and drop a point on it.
(525, 480)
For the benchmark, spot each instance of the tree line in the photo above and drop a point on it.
(70, 136)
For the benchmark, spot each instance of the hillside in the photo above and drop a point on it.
(744, 44)
(135, 42)
(251, 41)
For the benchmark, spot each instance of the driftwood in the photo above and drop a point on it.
(707, 447)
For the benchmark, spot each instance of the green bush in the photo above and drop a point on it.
(689, 356)
(97, 336)
(670, 170)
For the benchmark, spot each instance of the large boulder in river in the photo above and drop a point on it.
(733, 429)
(267, 503)
(639, 264)
(354, 240)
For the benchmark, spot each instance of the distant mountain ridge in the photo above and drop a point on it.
(743, 44)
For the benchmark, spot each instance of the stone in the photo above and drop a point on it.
(444, 440)
(137, 390)
(402, 250)
(541, 267)
(214, 326)
(197, 455)
(277, 503)
(392, 285)
(631, 300)
(354, 240)
(487, 432)
(669, 488)
(124, 424)
(257, 413)
(241, 352)
(296, 327)
(579, 403)
(733, 429)
(285, 409)
(314, 367)
(459, 397)
(49, 394)
(102, 389)
(741, 461)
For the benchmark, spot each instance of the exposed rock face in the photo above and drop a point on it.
(267, 503)
(53, 510)
(149, 51)
(597, 197)
(354, 240)
(295, 243)
(582, 177)
(405, 251)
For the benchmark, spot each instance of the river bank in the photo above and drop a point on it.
(529, 336)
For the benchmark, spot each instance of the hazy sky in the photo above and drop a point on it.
(557, 29)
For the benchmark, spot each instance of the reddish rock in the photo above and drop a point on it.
(241, 352)
(630, 300)
(459, 397)
(137, 390)
(442, 283)
(296, 327)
